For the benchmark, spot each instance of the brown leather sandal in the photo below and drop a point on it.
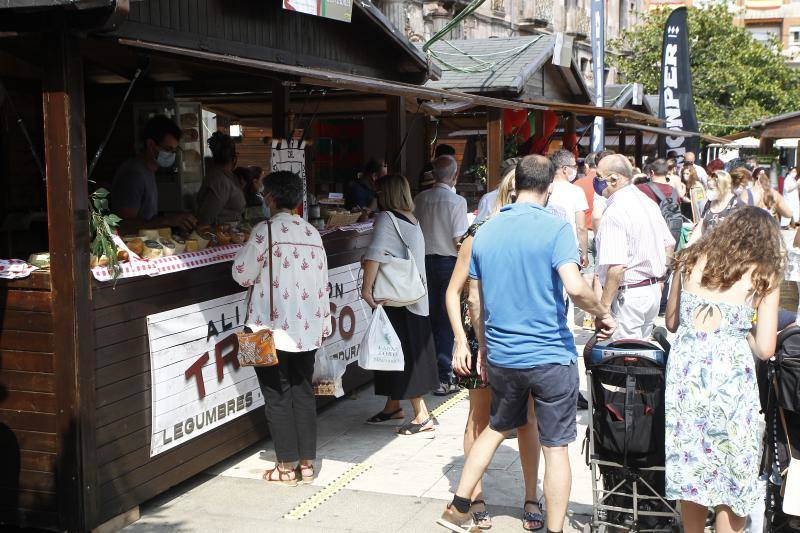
(281, 480)
(304, 479)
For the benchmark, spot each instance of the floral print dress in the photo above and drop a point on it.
(712, 405)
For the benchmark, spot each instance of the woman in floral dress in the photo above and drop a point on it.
(720, 285)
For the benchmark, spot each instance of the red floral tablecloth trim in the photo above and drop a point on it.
(15, 269)
(166, 265)
(137, 266)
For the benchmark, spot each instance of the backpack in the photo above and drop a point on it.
(670, 210)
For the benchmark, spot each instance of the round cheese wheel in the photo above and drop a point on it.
(169, 246)
(180, 245)
(152, 250)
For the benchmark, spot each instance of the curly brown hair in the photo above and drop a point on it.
(747, 238)
(739, 176)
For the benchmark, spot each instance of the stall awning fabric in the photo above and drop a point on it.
(672, 132)
(336, 80)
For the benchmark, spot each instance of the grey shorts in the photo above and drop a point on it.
(555, 394)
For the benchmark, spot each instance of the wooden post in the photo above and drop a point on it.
(494, 148)
(68, 224)
(569, 127)
(638, 149)
(280, 109)
(622, 142)
(765, 144)
(395, 133)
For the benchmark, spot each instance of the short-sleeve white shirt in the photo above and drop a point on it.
(571, 199)
(442, 215)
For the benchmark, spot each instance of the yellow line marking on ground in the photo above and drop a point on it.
(449, 403)
(305, 507)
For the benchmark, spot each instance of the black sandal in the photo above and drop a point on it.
(481, 519)
(528, 517)
(410, 428)
(385, 417)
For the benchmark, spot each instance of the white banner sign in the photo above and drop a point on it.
(196, 382)
(349, 320)
(291, 155)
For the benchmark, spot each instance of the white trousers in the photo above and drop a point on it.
(635, 311)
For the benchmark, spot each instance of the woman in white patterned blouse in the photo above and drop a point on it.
(299, 316)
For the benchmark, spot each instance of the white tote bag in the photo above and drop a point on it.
(380, 349)
(398, 282)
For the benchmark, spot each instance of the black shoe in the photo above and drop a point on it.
(582, 403)
(445, 389)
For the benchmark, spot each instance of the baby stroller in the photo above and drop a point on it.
(625, 438)
(779, 384)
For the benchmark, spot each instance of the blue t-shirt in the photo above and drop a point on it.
(516, 256)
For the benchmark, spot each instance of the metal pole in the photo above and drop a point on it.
(113, 126)
(598, 64)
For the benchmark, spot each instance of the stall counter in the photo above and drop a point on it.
(136, 460)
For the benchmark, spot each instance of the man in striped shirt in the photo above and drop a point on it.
(634, 247)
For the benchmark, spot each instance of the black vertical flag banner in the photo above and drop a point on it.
(676, 104)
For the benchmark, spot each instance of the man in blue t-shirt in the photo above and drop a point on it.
(523, 260)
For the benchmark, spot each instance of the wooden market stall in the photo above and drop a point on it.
(536, 72)
(81, 438)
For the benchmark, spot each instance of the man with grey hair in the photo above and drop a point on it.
(442, 216)
(634, 247)
(571, 199)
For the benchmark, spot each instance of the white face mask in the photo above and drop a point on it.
(712, 195)
(572, 173)
(165, 159)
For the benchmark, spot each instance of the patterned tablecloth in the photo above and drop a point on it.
(188, 260)
(15, 269)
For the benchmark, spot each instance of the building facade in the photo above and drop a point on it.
(774, 19)
(764, 19)
(420, 20)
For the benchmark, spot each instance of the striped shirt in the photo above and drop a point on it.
(633, 233)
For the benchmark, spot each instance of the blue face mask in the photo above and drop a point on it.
(165, 159)
(599, 185)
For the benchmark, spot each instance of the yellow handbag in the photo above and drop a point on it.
(257, 348)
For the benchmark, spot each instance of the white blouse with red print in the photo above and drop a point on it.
(301, 318)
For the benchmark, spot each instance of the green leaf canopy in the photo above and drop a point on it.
(736, 79)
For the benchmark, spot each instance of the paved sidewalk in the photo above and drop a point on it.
(405, 490)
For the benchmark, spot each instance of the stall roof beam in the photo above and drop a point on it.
(325, 78)
(672, 132)
(593, 111)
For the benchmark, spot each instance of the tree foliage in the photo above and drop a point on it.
(735, 78)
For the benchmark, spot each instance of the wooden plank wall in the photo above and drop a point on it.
(252, 151)
(127, 476)
(264, 30)
(28, 437)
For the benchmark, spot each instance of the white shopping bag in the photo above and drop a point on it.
(380, 349)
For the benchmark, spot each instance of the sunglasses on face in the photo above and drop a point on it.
(608, 178)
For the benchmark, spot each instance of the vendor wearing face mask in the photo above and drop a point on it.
(134, 194)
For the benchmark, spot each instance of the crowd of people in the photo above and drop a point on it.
(497, 319)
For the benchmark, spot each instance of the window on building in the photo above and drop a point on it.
(765, 34)
(794, 37)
